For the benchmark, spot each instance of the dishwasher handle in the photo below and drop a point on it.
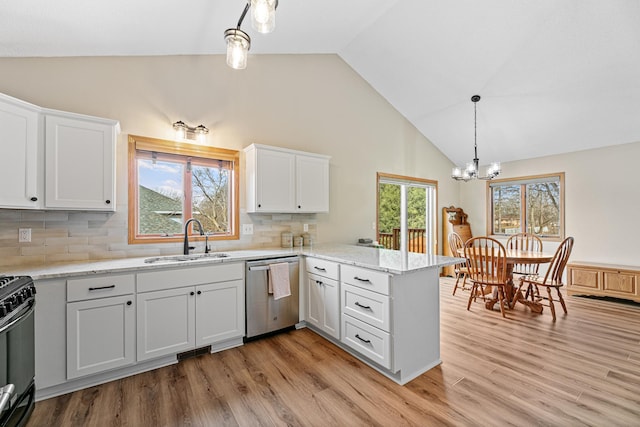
(266, 267)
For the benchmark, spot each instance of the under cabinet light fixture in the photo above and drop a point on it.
(184, 132)
(263, 15)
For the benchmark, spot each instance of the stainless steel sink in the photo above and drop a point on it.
(193, 257)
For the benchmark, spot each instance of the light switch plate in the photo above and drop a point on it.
(247, 229)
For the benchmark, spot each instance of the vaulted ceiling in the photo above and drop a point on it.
(554, 75)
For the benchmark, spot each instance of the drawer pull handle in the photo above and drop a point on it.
(363, 340)
(362, 280)
(366, 307)
(318, 282)
(99, 288)
(319, 268)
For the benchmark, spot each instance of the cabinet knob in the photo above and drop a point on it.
(34, 199)
(199, 292)
(259, 205)
(129, 303)
(299, 207)
(192, 293)
(108, 202)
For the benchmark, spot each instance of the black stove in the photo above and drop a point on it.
(17, 350)
(14, 291)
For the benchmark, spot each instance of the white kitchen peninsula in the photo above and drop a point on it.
(389, 307)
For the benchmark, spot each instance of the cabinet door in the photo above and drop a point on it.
(275, 181)
(323, 299)
(166, 322)
(315, 300)
(100, 335)
(219, 312)
(331, 316)
(312, 184)
(80, 164)
(20, 156)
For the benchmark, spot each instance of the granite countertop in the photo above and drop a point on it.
(394, 262)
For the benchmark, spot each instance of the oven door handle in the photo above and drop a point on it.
(26, 311)
(5, 395)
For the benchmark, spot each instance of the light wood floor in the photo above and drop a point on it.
(525, 370)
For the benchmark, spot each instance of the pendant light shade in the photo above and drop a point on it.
(263, 15)
(238, 45)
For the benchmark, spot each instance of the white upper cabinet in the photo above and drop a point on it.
(54, 159)
(286, 181)
(80, 162)
(21, 147)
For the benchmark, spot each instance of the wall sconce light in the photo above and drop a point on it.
(184, 132)
(263, 20)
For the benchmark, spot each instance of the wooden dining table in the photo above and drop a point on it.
(516, 256)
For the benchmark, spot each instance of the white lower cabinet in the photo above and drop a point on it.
(323, 295)
(166, 322)
(323, 308)
(366, 306)
(100, 324)
(178, 318)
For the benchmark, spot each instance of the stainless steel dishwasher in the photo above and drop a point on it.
(264, 314)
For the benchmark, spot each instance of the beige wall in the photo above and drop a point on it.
(312, 103)
(602, 201)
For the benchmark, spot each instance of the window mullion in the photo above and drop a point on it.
(188, 191)
(523, 208)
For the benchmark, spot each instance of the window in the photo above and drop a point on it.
(406, 213)
(530, 204)
(171, 182)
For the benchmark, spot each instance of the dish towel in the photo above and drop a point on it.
(279, 280)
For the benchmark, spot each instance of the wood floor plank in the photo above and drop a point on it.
(583, 369)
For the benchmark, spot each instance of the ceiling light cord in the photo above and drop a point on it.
(244, 13)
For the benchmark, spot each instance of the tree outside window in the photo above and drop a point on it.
(531, 204)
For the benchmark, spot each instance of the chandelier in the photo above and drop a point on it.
(263, 20)
(471, 171)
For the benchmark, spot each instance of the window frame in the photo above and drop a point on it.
(184, 150)
(523, 181)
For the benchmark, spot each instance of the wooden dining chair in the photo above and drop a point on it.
(552, 279)
(525, 242)
(487, 265)
(461, 271)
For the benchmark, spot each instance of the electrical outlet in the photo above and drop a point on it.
(24, 235)
(247, 228)
(305, 227)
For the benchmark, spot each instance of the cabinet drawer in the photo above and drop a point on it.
(369, 307)
(189, 276)
(100, 287)
(367, 340)
(584, 278)
(322, 268)
(367, 279)
(619, 282)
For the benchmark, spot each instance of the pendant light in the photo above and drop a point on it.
(263, 20)
(471, 170)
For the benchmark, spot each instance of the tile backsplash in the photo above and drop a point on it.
(65, 236)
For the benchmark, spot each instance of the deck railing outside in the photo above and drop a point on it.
(417, 240)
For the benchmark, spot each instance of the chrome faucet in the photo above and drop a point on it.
(186, 235)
